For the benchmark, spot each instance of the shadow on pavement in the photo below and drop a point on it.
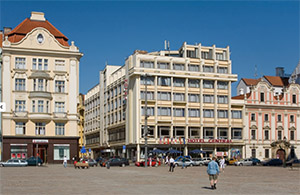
(208, 188)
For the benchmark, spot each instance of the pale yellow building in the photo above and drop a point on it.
(40, 78)
(81, 119)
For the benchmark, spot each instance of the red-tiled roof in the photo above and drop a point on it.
(250, 81)
(277, 81)
(28, 25)
(241, 97)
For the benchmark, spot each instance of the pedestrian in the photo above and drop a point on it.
(171, 164)
(65, 162)
(183, 163)
(167, 160)
(213, 172)
(222, 164)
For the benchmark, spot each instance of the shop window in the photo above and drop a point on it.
(60, 152)
(19, 152)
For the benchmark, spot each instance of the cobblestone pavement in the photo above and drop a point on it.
(55, 179)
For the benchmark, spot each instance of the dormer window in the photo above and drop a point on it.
(40, 38)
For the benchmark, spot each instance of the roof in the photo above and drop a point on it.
(277, 81)
(250, 82)
(240, 97)
(18, 33)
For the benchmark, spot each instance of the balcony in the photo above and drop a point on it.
(20, 114)
(40, 94)
(39, 116)
(60, 116)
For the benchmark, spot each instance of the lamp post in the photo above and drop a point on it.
(146, 120)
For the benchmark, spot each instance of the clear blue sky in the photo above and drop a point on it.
(262, 33)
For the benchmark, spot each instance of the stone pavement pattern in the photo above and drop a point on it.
(55, 179)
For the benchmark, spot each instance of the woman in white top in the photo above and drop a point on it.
(222, 164)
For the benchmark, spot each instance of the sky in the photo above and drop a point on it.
(259, 33)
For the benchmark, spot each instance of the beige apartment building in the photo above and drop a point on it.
(40, 78)
(189, 103)
(81, 119)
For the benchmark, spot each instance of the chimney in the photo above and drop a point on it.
(280, 71)
(6, 30)
(37, 16)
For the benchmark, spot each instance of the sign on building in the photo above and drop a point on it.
(2, 107)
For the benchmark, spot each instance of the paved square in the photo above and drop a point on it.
(55, 179)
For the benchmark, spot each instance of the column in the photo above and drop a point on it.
(185, 153)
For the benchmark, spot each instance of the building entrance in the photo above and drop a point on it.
(41, 151)
(280, 154)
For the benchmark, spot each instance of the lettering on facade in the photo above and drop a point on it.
(209, 141)
(39, 141)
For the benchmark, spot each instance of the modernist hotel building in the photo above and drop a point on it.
(40, 89)
(189, 103)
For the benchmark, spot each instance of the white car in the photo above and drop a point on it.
(198, 161)
(206, 160)
(188, 162)
(244, 162)
(14, 163)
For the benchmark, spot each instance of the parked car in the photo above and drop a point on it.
(14, 163)
(153, 163)
(198, 161)
(32, 161)
(273, 162)
(255, 161)
(99, 159)
(206, 160)
(232, 161)
(244, 162)
(116, 162)
(188, 162)
(91, 162)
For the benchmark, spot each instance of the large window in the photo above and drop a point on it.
(39, 64)
(266, 134)
(178, 131)
(208, 113)
(19, 152)
(222, 133)
(20, 128)
(163, 131)
(208, 84)
(222, 114)
(253, 134)
(222, 85)
(208, 133)
(179, 97)
(164, 111)
(194, 112)
(194, 97)
(150, 80)
(150, 111)
(195, 83)
(147, 64)
(178, 112)
(223, 70)
(222, 99)
(208, 98)
(177, 82)
(59, 107)
(194, 68)
(266, 117)
(164, 95)
(236, 114)
(61, 151)
(40, 106)
(220, 56)
(163, 65)
(292, 135)
(40, 84)
(59, 128)
(20, 63)
(194, 132)
(236, 133)
(205, 55)
(208, 69)
(40, 128)
(20, 106)
(164, 81)
(20, 84)
(60, 86)
(178, 66)
(150, 95)
(262, 97)
(191, 53)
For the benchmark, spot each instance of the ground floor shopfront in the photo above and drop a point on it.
(49, 149)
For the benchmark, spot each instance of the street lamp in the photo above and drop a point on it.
(146, 120)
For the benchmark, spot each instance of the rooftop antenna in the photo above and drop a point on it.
(255, 71)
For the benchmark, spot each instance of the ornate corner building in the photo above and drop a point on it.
(40, 88)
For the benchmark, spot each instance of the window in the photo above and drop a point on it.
(237, 114)
(292, 135)
(267, 155)
(164, 95)
(164, 111)
(177, 82)
(178, 112)
(60, 65)
(208, 84)
(208, 133)
(163, 65)
(208, 69)
(178, 131)
(194, 68)
(40, 85)
(40, 106)
(60, 86)
(195, 83)
(222, 85)
(253, 134)
(222, 133)
(164, 81)
(180, 97)
(20, 105)
(222, 70)
(191, 53)
(292, 118)
(279, 118)
(163, 131)
(150, 80)
(150, 111)
(20, 63)
(194, 97)
(150, 95)
(266, 117)
(59, 129)
(262, 97)
(205, 55)
(146, 64)
(45, 64)
(279, 133)
(253, 152)
(294, 99)
(208, 113)
(150, 131)
(34, 63)
(194, 132)
(40, 128)
(178, 66)
(220, 56)
(208, 98)
(60, 152)
(222, 114)
(266, 134)
(40, 64)
(60, 107)
(33, 106)
(20, 84)
(252, 117)
(222, 99)
(236, 133)
(194, 112)
(20, 128)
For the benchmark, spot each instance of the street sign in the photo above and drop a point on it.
(90, 150)
(2, 107)
(124, 149)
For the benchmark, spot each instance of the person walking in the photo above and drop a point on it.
(213, 172)
(167, 160)
(171, 164)
(65, 162)
(183, 163)
(222, 164)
